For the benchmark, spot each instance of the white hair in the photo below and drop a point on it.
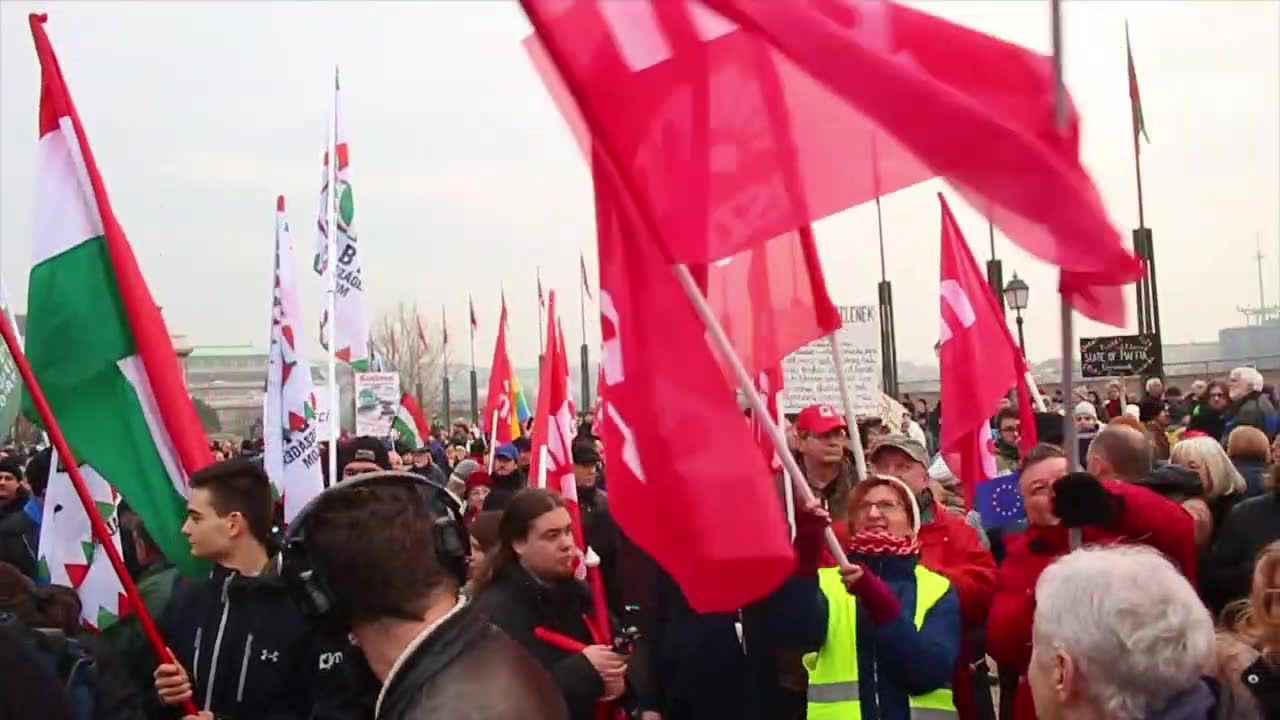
(1152, 382)
(1250, 376)
(1130, 621)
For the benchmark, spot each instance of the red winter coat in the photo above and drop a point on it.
(1148, 519)
(951, 547)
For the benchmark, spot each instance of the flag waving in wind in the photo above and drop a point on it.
(979, 360)
(349, 329)
(409, 423)
(783, 87)
(291, 453)
(502, 398)
(1135, 98)
(95, 337)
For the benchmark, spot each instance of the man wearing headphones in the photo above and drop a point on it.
(383, 556)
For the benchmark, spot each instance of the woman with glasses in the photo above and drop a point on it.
(883, 636)
(1209, 417)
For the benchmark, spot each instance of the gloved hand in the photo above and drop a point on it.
(811, 527)
(1080, 499)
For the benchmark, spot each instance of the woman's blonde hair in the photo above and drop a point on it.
(1255, 622)
(1223, 478)
(1249, 444)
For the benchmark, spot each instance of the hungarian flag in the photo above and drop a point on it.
(291, 454)
(675, 503)
(410, 424)
(980, 363)
(1135, 99)
(501, 399)
(688, 99)
(70, 556)
(95, 337)
(349, 329)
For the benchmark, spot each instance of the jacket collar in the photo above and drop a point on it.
(533, 590)
(411, 652)
(889, 567)
(1195, 703)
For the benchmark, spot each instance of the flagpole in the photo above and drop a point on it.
(582, 308)
(1068, 319)
(444, 368)
(475, 389)
(758, 408)
(541, 348)
(855, 436)
(335, 410)
(96, 523)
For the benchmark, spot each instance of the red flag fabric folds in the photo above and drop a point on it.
(979, 361)
(500, 398)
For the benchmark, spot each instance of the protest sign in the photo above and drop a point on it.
(377, 402)
(810, 375)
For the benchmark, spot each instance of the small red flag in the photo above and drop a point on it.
(500, 397)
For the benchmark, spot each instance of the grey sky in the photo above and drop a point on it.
(465, 176)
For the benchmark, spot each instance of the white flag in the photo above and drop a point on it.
(350, 330)
(291, 453)
(69, 556)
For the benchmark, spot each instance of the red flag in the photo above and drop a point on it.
(586, 283)
(769, 384)
(979, 360)
(410, 404)
(500, 398)
(667, 496)
(689, 104)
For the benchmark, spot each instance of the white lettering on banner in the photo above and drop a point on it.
(809, 375)
(953, 296)
(330, 659)
(611, 359)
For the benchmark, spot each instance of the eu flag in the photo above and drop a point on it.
(999, 501)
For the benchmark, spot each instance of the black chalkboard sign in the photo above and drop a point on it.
(1120, 356)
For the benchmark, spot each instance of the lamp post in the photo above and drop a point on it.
(1015, 295)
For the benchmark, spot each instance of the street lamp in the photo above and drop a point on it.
(1015, 294)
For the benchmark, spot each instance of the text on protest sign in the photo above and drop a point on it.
(809, 373)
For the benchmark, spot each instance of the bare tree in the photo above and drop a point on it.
(411, 345)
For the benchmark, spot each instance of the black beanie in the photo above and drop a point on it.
(12, 466)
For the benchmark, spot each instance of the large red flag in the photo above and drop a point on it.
(688, 98)
(500, 396)
(979, 360)
(673, 498)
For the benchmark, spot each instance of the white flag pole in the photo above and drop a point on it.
(493, 441)
(331, 177)
(727, 352)
(855, 437)
(544, 458)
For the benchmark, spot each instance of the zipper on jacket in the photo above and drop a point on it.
(195, 662)
(244, 667)
(217, 645)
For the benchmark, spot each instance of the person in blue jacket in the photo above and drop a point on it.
(883, 635)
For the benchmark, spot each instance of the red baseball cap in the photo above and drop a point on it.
(820, 420)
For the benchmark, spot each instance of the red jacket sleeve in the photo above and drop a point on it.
(1163, 524)
(1013, 606)
(950, 547)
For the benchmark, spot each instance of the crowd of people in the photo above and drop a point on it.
(434, 581)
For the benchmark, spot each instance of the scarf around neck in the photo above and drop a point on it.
(879, 542)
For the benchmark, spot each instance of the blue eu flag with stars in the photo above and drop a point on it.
(999, 501)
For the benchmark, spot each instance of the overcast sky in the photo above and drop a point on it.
(465, 177)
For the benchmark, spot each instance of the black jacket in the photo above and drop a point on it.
(19, 541)
(1252, 410)
(504, 488)
(517, 604)
(602, 536)
(1227, 573)
(431, 472)
(249, 651)
(468, 668)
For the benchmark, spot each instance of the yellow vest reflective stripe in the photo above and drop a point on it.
(833, 671)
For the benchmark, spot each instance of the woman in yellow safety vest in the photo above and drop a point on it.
(883, 636)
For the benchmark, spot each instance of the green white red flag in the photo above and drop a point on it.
(69, 555)
(410, 424)
(289, 429)
(95, 337)
(350, 326)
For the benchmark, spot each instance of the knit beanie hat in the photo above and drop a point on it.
(1086, 408)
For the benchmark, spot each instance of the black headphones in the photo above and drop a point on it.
(449, 537)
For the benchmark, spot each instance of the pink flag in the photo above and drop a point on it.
(769, 384)
(688, 99)
(500, 397)
(673, 500)
(979, 360)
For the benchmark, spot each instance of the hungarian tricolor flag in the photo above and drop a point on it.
(410, 424)
(95, 337)
(291, 453)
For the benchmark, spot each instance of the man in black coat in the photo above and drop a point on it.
(508, 478)
(532, 587)
(1249, 405)
(20, 527)
(391, 566)
(1226, 573)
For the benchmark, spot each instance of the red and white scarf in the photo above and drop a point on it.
(879, 542)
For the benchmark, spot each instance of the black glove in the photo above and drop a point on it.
(1079, 499)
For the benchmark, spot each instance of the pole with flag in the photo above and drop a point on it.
(584, 292)
(444, 366)
(325, 262)
(1148, 298)
(542, 305)
(475, 389)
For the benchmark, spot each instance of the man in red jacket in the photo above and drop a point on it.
(1105, 512)
(948, 546)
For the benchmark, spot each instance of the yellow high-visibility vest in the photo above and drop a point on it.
(833, 670)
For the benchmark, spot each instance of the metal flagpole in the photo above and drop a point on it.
(331, 177)
(745, 384)
(585, 359)
(475, 390)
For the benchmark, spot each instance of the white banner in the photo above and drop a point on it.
(377, 403)
(810, 375)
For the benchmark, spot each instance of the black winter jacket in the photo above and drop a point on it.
(456, 669)
(250, 653)
(1227, 573)
(517, 604)
(19, 542)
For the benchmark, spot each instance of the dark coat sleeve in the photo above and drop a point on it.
(920, 661)
(796, 615)
(1227, 572)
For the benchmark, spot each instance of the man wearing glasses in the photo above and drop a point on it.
(1009, 434)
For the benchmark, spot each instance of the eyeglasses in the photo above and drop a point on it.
(886, 507)
(1016, 429)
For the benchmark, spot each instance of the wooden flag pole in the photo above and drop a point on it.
(855, 436)
(96, 523)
